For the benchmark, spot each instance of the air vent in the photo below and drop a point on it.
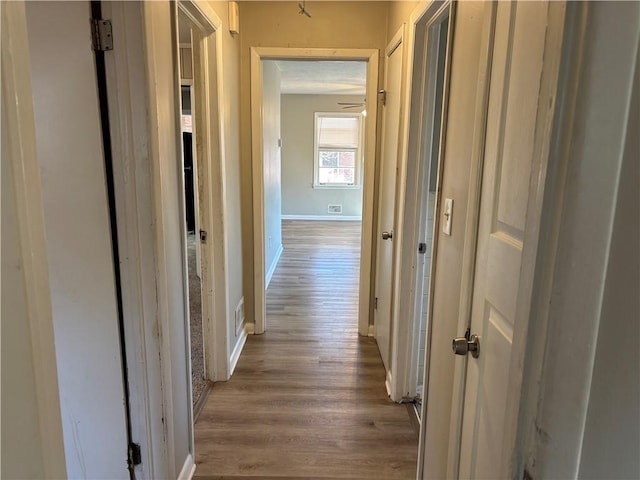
(239, 316)
(334, 209)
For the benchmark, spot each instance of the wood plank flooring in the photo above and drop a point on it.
(307, 399)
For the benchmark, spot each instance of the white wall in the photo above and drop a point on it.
(271, 165)
(78, 239)
(298, 195)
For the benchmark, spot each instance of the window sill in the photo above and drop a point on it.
(336, 187)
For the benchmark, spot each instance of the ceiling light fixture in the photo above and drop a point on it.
(303, 9)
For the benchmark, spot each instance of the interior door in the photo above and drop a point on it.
(387, 197)
(78, 239)
(509, 156)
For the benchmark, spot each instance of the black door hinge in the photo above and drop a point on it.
(102, 35)
(135, 454)
(422, 248)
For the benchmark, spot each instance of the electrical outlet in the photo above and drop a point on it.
(334, 208)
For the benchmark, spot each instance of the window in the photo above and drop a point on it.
(337, 150)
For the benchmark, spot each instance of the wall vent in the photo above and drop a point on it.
(240, 316)
(334, 209)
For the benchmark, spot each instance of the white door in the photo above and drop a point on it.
(509, 157)
(78, 239)
(387, 197)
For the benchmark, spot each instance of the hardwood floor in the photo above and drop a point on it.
(307, 399)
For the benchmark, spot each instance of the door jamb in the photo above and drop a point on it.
(276, 53)
(409, 194)
(138, 196)
(210, 154)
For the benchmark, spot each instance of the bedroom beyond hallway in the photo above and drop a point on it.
(307, 398)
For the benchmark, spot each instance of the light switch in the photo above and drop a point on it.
(447, 215)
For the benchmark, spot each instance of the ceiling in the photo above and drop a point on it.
(323, 77)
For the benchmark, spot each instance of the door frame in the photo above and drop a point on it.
(210, 153)
(409, 196)
(397, 41)
(135, 125)
(258, 54)
(17, 105)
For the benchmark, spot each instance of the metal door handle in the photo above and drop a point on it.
(387, 235)
(464, 345)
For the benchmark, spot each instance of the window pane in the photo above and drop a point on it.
(347, 159)
(342, 176)
(328, 158)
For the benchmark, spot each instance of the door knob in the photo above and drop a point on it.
(387, 235)
(464, 345)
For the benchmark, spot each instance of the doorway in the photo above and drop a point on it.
(430, 204)
(263, 232)
(200, 385)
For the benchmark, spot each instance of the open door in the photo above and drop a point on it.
(387, 198)
(518, 128)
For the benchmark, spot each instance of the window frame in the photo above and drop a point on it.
(357, 181)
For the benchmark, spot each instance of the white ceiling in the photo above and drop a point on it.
(323, 77)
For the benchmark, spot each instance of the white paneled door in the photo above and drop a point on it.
(512, 136)
(387, 196)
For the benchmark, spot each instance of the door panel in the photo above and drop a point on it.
(387, 198)
(78, 239)
(513, 107)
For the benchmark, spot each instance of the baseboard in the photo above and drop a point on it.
(272, 268)
(372, 330)
(188, 469)
(250, 328)
(202, 401)
(388, 382)
(235, 355)
(340, 218)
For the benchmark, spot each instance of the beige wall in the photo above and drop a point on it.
(298, 123)
(399, 13)
(278, 24)
(231, 123)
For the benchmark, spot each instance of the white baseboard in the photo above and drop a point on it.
(388, 382)
(272, 268)
(188, 469)
(237, 350)
(340, 218)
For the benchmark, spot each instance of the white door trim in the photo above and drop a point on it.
(17, 102)
(408, 221)
(210, 155)
(272, 53)
(139, 197)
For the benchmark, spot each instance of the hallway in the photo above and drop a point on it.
(307, 399)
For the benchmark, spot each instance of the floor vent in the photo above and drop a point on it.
(240, 316)
(334, 208)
